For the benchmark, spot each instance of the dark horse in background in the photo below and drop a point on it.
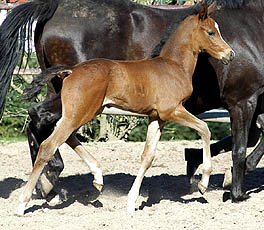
(69, 32)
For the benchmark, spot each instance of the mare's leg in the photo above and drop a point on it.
(241, 116)
(194, 157)
(153, 135)
(46, 151)
(183, 117)
(44, 116)
(89, 159)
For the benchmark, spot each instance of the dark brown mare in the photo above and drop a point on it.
(155, 87)
(69, 32)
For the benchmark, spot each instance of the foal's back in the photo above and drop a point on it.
(141, 86)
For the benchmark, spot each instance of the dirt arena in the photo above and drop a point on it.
(165, 200)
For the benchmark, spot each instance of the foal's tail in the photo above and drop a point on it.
(15, 36)
(34, 88)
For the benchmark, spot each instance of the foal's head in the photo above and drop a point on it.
(208, 36)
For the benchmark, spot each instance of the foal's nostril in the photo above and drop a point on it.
(231, 55)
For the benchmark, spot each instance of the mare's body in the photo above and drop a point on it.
(69, 32)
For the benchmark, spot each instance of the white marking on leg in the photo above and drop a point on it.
(93, 165)
(227, 178)
(56, 200)
(21, 207)
(46, 185)
(207, 163)
(153, 136)
(97, 172)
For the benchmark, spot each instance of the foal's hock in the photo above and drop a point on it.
(155, 87)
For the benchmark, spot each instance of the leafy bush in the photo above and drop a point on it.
(15, 115)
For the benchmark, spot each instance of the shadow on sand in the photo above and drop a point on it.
(162, 187)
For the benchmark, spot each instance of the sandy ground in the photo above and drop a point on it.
(165, 200)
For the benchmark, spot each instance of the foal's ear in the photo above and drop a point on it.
(203, 12)
(211, 8)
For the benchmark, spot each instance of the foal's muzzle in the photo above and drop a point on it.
(228, 58)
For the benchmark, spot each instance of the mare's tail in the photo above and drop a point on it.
(15, 36)
(34, 88)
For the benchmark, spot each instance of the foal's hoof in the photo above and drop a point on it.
(131, 208)
(20, 211)
(201, 188)
(99, 187)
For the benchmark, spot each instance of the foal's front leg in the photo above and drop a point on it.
(153, 135)
(183, 117)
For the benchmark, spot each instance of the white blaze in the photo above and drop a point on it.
(217, 28)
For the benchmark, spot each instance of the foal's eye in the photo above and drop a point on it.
(211, 33)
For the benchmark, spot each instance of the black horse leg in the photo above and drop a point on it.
(241, 117)
(253, 158)
(44, 116)
(194, 157)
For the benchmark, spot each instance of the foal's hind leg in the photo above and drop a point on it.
(46, 151)
(44, 116)
(153, 135)
(89, 160)
(183, 117)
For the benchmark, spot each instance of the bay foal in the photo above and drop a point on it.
(155, 87)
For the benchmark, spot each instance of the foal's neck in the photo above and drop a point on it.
(181, 48)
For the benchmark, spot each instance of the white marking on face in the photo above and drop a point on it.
(217, 28)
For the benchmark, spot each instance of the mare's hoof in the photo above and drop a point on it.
(201, 188)
(194, 159)
(240, 198)
(99, 187)
(227, 196)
